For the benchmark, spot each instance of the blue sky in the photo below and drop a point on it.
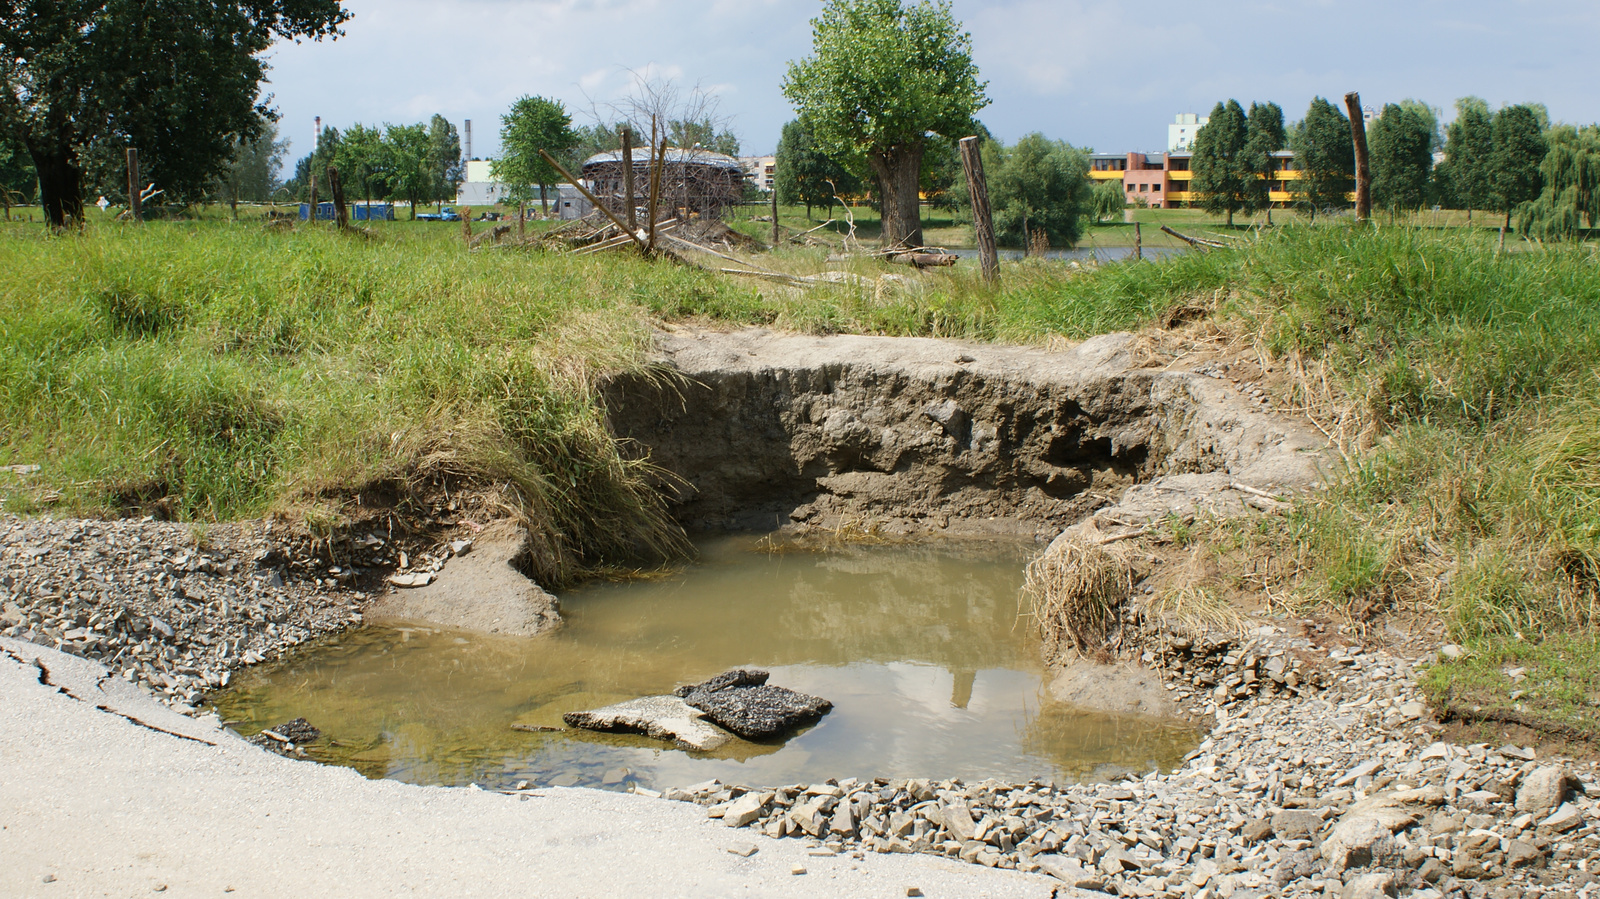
(1107, 75)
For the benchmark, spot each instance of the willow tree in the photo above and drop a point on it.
(881, 77)
(1571, 197)
(178, 79)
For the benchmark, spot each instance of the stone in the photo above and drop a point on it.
(957, 818)
(742, 702)
(1293, 866)
(1070, 871)
(1544, 790)
(1256, 829)
(1296, 825)
(1378, 885)
(1521, 853)
(481, 591)
(1431, 870)
(1452, 652)
(1563, 819)
(660, 717)
(743, 850)
(1365, 769)
(744, 810)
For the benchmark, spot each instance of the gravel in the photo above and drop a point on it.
(168, 606)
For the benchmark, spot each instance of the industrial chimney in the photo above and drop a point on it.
(317, 138)
(469, 138)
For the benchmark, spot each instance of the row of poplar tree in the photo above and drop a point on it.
(1491, 160)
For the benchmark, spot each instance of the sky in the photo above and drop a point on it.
(1104, 75)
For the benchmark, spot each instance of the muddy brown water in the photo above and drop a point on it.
(920, 648)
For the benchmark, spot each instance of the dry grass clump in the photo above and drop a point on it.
(1078, 590)
(1193, 610)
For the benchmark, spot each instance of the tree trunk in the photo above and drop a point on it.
(544, 200)
(60, 186)
(899, 172)
(1230, 218)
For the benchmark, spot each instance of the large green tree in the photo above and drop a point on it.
(363, 160)
(444, 161)
(1221, 178)
(533, 124)
(805, 175)
(1325, 158)
(881, 77)
(179, 79)
(1264, 136)
(1401, 143)
(411, 173)
(1038, 185)
(1571, 196)
(252, 172)
(1519, 148)
(1469, 144)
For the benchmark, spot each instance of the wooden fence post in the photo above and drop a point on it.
(775, 235)
(1138, 243)
(982, 222)
(313, 217)
(1358, 136)
(340, 213)
(135, 207)
(627, 178)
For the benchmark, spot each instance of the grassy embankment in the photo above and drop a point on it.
(235, 372)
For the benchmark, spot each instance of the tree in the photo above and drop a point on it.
(1402, 158)
(1107, 200)
(881, 76)
(17, 180)
(1469, 143)
(1325, 158)
(252, 173)
(315, 165)
(589, 140)
(1264, 136)
(178, 79)
(444, 162)
(1571, 196)
(1037, 185)
(806, 175)
(702, 134)
(363, 158)
(1221, 178)
(1519, 148)
(533, 124)
(411, 173)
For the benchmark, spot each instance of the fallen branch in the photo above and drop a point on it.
(595, 200)
(923, 260)
(1195, 241)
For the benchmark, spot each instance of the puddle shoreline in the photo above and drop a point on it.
(919, 647)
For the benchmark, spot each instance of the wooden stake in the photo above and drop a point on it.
(466, 225)
(341, 215)
(313, 216)
(1358, 135)
(135, 207)
(982, 221)
(1138, 243)
(658, 164)
(775, 219)
(627, 178)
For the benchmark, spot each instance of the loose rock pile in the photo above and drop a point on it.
(161, 608)
(1345, 793)
(1223, 669)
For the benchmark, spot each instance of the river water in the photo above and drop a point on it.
(920, 648)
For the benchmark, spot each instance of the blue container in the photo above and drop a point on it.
(324, 212)
(375, 213)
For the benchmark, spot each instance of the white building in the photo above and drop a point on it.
(760, 170)
(480, 188)
(1180, 134)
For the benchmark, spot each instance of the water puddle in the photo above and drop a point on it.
(918, 647)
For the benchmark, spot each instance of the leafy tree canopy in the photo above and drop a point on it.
(445, 166)
(1325, 158)
(1036, 185)
(1469, 144)
(1519, 148)
(1264, 135)
(882, 75)
(1108, 200)
(533, 124)
(805, 175)
(18, 183)
(1571, 196)
(1401, 150)
(178, 79)
(1221, 172)
(252, 172)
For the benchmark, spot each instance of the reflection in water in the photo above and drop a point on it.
(919, 648)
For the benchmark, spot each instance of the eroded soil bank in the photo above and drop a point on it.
(918, 436)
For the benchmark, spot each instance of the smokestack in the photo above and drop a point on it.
(469, 138)
(317, 138)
